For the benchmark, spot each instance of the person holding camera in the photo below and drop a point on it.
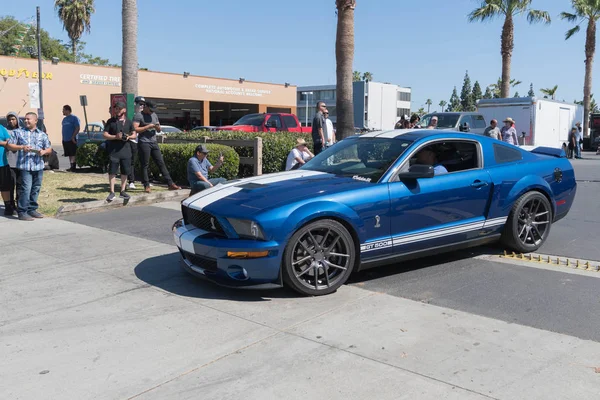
(118, 131)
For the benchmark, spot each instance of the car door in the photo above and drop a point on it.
(273, 123)
(445, 209)
(290, 124)
(479, 124)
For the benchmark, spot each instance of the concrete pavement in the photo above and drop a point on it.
(82, 319)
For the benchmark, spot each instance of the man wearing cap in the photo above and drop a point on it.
(146, 125)
(198, 168)
(298, 156)
(509, 133)
(117, 132)
(32, 145)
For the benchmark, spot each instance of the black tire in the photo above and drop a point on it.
(324, 249)
(528, 224)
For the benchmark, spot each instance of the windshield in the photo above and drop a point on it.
(445, 121)
(365, 159)
(251, 119)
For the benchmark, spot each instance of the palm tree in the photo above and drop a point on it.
(429, 103)
(443, 104)
(129, 70)
(344, 55)
(367, 76)
(356, 76)
(497, 87)
(420, 112)
(75, 16)
(507, 9)
(585, 10)
(550, 91)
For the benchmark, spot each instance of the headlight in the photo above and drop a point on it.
(246, 228)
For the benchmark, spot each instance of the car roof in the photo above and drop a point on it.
(418, 134)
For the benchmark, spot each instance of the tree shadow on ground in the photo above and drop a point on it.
(78, 200)
(88, 187)
(166, 272)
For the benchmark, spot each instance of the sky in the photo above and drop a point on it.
(426, 45)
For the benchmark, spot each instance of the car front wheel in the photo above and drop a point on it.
(319, 258)
(528, 224)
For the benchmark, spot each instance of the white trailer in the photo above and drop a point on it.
(539, 122)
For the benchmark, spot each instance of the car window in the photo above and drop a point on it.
(364, 159)
(290, 121)
(276, 120)
(504, 154)
(478, 122)
(454, 156)
(466, 119)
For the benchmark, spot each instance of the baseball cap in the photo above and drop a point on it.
(120, 105)
(202, 149)
(139, 99)
(151, 105)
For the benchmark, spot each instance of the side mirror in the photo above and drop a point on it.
(417, 171)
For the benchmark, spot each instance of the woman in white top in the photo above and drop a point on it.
(298, 156)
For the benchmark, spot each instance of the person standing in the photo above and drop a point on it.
(32, 145)
(509, 133)
(146, 125)
(12, 124)
(492, 131)
(70, 129)
(118, 131)
(7, 183)
(319, 128)
(133, 143)
(330, 138)
(433, 123)
(198, 168)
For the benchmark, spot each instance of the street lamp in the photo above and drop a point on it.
(306, 116)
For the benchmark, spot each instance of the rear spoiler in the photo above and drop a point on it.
(550, 151)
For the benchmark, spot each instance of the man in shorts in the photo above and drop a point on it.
(70, 129)
(118, 131)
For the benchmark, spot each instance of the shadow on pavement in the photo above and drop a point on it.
(165, 272)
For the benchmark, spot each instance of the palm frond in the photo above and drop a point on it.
(568, 16)
(486, 12)
(571, 32)
(538, 16)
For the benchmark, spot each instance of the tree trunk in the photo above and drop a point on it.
(590, 50)
(344, 53)
(74, 48)
(129, 69)
(508, 44)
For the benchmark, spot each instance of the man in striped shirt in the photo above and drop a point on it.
(32, 144)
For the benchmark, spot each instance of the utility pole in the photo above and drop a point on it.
(39, 51)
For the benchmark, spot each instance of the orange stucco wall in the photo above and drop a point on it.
(65, 82)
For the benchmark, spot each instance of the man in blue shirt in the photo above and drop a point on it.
(428, 157)
(6, 179)
(198, 168)
(32, 145)
(70, 129)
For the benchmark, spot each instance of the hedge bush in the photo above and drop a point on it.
(276, 146)
(175, 156)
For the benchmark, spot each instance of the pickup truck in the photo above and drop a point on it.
(267, 122)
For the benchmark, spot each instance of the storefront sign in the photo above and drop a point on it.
(233, 91)
(23, 73)
(102, 80)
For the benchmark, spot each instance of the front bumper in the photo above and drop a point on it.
(204, 255)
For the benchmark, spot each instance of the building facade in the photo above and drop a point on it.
(183, 100)
(377, 105)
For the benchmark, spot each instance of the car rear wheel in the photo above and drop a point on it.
(319, 258)
(529, 223)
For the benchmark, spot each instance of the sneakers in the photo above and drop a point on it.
(25, 217)
(124, 195)
(173, 186)
(110, 197)
(131, 186)
(35, 214)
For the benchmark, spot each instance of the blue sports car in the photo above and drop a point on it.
(369, 200)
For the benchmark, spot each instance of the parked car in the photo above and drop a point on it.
(370, 200)
(455, 121)
(269, 122)
(204, 128)
(166, 129)
(93, 134)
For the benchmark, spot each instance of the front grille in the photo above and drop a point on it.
(201, 220)
(209, 264)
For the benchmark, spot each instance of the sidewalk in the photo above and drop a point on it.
(81, 318)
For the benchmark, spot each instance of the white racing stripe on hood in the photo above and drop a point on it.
(209, 196)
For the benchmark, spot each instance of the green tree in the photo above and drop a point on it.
(488, 93)
(550, 91)
(344, 56)
(367, 76)
(129, 72)
(593, 105)
(585, 11)
(477, 93)
(443, 104)
(75, 16)
(508, 9)
(18, 33)
(454, 104)
(356, 76)
(517, 94)
(428, 103)
(466, 94)
(421, 112)
(531, 92)
(496, 88)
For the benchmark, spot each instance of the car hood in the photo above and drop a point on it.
(247, 197)
(237, 127)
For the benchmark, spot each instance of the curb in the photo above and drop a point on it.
(88, 206)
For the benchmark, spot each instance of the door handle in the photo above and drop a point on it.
(478, 184)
